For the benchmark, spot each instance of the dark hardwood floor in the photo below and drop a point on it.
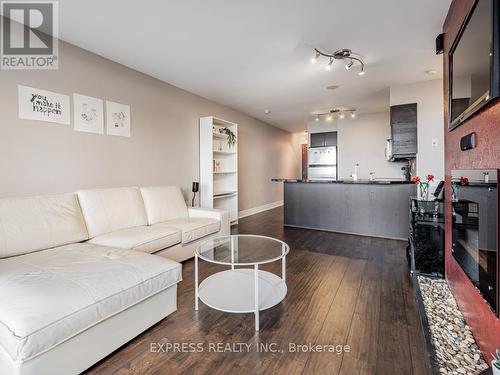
(342, 290)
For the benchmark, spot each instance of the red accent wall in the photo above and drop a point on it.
(483, 322)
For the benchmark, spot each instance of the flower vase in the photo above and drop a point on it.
(454, 193)
(496, 371)
(424, 191)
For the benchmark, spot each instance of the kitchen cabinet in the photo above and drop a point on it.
(364, 208)
(330, 139)
(404, 130)
(317, 140)
(327, 139)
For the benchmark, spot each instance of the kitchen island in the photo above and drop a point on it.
(378, 208)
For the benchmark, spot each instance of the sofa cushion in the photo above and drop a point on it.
(146, 238)
(164, 203)
(36, 223)
(193, 228)
(49, 296)
(108, 210)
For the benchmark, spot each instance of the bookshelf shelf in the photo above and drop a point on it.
(218, 167)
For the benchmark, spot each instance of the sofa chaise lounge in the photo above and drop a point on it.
(82, 274)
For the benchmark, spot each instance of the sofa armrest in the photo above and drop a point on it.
(213, 213)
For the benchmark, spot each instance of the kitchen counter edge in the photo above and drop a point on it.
(350, 182)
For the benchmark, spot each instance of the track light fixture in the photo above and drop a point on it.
(336, 112)
(341, 54)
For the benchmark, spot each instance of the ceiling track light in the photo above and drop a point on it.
(341, 54)
(339, 113)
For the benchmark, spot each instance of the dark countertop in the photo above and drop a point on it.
(361, 182)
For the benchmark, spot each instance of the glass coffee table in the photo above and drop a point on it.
(242, 289)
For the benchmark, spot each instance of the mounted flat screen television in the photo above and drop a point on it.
(474, 62)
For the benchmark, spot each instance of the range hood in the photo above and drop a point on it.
(403, 141)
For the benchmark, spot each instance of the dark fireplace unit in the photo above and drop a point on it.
(475, 229)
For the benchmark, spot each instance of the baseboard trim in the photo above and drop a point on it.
(256, 210)
(342, 232)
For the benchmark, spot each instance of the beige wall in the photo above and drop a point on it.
(362, 141)
(38, 158)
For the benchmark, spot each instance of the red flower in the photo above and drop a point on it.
(464, 181)
(415, 180)
(430, 177)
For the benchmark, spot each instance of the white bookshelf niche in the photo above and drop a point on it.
(218, 167)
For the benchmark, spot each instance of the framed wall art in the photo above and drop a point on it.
(118, 119)
(88, 114)
(42, 105)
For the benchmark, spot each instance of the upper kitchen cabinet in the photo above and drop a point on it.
(404, 130)
(328, 139)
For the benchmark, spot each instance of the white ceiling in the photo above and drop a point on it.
(254, 54)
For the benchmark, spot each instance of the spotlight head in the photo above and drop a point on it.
(353, 114)
(329, 118)
(316, 118)
(329, 66)
(348, 66)
(341, 116)
(315, 58)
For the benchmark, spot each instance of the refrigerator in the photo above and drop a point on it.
(322, 163)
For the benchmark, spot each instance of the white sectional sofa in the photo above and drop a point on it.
(77, 274)
(149, 219)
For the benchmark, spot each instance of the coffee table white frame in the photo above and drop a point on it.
(232, 290)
